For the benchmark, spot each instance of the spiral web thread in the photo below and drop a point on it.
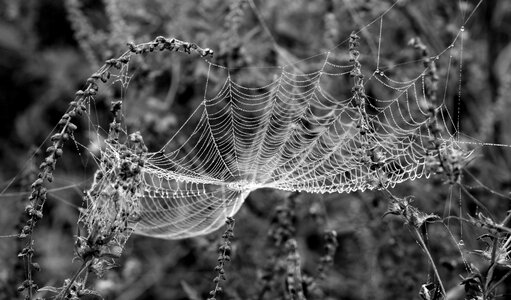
(290, 134)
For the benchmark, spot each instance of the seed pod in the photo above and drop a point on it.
(26, 230)
(29, 209)
(38, 215)
(42, 191)
(37, 183)
(72, 127)
(36, 267)
(99, 175)
(132, 47)
(207, 52)
(105, 76)
(56, 137)
(50, 168)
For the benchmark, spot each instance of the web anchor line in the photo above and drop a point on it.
(313, 129)
(292, 134)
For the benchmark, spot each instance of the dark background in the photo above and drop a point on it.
(48, 49)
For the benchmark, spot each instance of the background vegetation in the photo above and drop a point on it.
(49, 48)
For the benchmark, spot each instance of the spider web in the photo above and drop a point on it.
(301, 131)
(290, 134)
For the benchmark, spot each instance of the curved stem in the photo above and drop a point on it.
(84, 266)
(430, 258)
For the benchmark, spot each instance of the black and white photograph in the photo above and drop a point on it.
(255, 150)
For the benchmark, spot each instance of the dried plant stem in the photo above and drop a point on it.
(423, 245)
(85, 266)
(77, 107)
(493, 265)
(224, 255)
(294, 279)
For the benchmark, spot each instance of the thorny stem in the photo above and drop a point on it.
(430, 258)
(493, 265)
(85, 265)
(411, 220)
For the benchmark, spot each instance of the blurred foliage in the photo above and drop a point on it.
(48, 48)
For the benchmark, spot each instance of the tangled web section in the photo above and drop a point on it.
(315, 132)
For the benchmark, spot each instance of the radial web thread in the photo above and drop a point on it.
(290, 134)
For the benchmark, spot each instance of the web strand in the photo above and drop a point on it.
(303, 130)
(288, 134)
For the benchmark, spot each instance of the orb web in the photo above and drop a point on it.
(315, 131)
(290, 134)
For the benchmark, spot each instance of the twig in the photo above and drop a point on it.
(85, 265)
(430, 258)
